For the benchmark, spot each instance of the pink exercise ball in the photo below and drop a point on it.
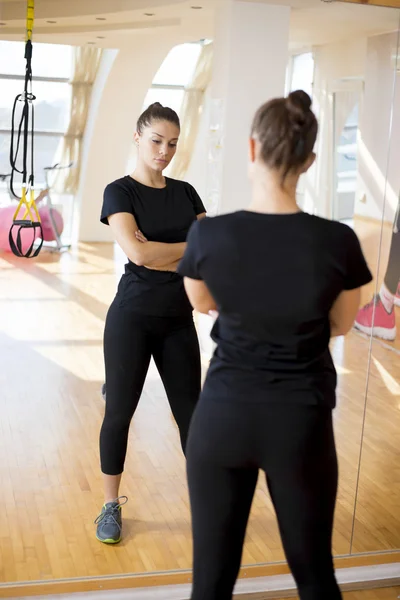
(48, 231)
(6, 219)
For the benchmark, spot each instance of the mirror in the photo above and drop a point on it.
(52, 323)
(377, 525)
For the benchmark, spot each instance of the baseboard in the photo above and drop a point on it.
(262, 588)
(255, 583)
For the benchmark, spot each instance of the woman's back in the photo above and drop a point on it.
(283, 282)
(274, 278)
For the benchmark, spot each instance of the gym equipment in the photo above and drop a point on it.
(29, 220)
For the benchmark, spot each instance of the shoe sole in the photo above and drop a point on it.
(380, 332)
(108, 541)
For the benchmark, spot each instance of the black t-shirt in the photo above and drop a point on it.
(163, 215)
(274, 279)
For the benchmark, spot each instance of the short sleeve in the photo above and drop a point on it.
(115, 200)
(357, 271)
(196, 200)
(191, 260)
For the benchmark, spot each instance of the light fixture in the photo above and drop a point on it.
(101, 19)
(3, 24)
(51, 22)
(100, 37)
(196, 7)
(149, 14)
(91, 43)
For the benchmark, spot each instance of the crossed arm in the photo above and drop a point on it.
(157, 256)
(166, 257)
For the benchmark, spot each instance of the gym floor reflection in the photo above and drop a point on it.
(50, 487)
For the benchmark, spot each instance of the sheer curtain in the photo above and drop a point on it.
(86, 64)
(336, 76)
(191, 111)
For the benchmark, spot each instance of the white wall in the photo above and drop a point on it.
(379, 154)
(117, 100)
(116, 103)
(250, 61)
(250, 69)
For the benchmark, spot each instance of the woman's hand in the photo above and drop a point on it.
(168, 267)
(138, 248)
(140, 237)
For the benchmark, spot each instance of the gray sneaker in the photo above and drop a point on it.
(109, 521)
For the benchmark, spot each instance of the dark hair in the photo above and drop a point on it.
(286, 129)
(157, 112)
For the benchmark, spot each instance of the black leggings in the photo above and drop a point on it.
(392, 276)
(228, 443)
(130, 340)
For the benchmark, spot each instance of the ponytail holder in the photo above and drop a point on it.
(299, 150)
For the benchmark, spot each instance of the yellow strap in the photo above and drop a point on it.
(30, 207)
(30, 13)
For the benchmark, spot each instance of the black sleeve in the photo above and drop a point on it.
(191, 260)
(115, 200)
(196, 200)
(357, 271)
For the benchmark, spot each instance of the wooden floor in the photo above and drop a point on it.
(383, 594)
(380, 594)
(51, 325)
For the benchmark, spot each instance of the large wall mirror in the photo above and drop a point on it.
(52, 368)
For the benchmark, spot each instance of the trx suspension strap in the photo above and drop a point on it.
(30, 215)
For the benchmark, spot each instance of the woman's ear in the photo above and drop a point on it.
(309, 162)
(136, 137)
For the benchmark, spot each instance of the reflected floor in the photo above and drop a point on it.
(51, 326)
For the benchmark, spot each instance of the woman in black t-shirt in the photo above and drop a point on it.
(151, 316)
(283, 282)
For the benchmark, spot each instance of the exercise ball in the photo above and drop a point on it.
(6, 220)
(47, 226)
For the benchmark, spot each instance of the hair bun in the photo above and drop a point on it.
(299, 99)
(298, 105)
(155, 105)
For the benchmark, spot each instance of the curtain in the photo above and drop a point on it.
(86, 64)
(191, 111)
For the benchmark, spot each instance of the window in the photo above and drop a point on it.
(167, 97)
(169, 83)
(48, 60)
(302, 74)
(52, 68)
(301, 77)
(178, 66)
(174, 74)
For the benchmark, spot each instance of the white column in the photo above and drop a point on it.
(250, 62)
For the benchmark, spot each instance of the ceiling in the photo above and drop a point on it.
(111, 23)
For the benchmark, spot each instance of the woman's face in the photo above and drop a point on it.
(157, 144)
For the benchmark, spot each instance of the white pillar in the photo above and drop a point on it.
(250, 62)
